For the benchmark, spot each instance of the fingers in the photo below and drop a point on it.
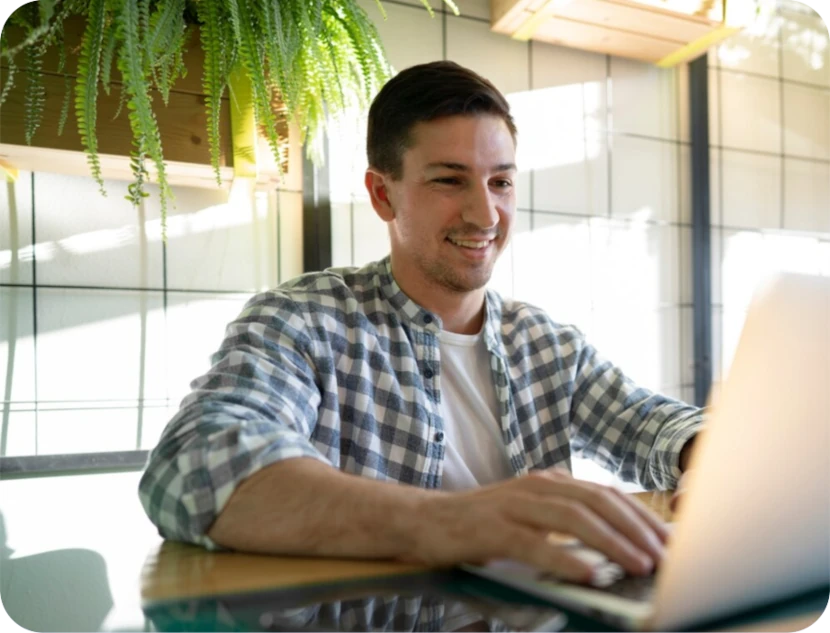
(530, 546)
(571, 516)
(625, 514)
(646, 513)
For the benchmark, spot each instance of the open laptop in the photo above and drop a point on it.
(754, 524)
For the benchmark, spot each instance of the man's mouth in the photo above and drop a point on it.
(472, 244)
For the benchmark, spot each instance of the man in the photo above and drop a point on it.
(403, 411)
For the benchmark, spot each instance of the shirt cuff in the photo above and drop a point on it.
(665, 461)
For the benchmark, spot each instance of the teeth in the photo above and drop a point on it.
(469, 244)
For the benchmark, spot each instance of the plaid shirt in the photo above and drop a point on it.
(343, 367)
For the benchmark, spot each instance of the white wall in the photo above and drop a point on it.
(770, 156)
(98, 351)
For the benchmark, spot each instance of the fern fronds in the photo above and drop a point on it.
(250, 54)
(107, 54)
(135, 190)
(450, 3)
(367, 49)
(122, 99)
(316, 15)
(9, 83)
(282, 54)
(86, 87)
(35, 29)
(61, 51)
(165, 44)
(67, 99)
(233, 13)
(333, 63)
(131, 63)
(382, 10)
(45, 8)
(213, 75)
(143, 7)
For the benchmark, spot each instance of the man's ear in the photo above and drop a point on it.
(376, 185)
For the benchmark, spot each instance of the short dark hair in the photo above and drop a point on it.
(424, 93)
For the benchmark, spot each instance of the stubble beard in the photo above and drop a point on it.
(450, 279)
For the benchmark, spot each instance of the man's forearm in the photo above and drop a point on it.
(302, 506)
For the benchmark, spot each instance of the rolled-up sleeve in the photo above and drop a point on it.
(629, 430)
(257, 405)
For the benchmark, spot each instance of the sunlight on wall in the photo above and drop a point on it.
(563, 249)
(575, 108)
(113, 354)
(750, 258)
(347, 157)
(236, 212)
(100, 378)
(576, 138)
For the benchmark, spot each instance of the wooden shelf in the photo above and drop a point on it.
(664, 32)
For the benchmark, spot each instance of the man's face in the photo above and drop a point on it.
(453, 208)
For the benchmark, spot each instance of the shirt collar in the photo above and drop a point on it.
(416, 315)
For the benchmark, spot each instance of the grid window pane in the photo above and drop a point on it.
(86, 239)
(195, 329)
(16, 248)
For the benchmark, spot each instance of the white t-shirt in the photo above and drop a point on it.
(475, 448)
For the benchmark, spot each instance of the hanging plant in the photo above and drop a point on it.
(313, 58)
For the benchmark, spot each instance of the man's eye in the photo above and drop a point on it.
(503, 184)
(447, 181)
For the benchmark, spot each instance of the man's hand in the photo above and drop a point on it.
(513, 519)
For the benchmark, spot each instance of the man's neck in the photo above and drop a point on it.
(460, 312)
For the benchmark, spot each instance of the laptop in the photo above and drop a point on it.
(754, 524)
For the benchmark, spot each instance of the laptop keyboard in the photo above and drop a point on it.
(639, 588)
(611, 579)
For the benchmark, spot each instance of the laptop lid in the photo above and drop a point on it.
(754, 525)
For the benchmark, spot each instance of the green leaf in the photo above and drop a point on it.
(107, 58)
(86, 87)
(131, 63)
(35, 95)
(214, 78)
(67, 98)
(9, 83)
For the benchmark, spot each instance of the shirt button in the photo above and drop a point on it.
(428, 373)
(427, 318)
(439, 436)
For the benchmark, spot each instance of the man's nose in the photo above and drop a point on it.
(480, 209)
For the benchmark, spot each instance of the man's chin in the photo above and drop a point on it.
(463, 284)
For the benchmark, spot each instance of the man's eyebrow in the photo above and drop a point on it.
(460, 167)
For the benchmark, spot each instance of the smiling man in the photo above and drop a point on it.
(402, 410)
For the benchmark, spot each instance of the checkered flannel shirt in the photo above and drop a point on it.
(343, 367)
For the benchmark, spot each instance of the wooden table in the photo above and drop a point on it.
(177, 571)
